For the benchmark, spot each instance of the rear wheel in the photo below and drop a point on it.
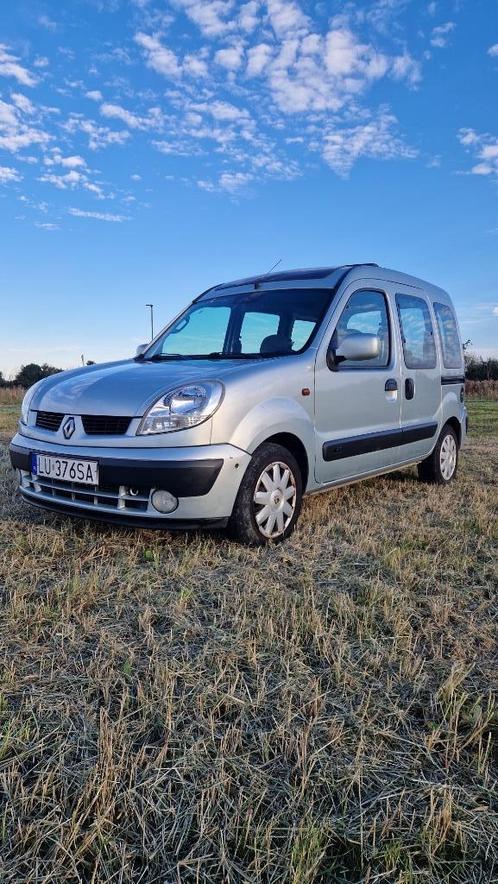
(441, 466)
(269, 499)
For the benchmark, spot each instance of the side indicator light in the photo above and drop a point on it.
(306, 391)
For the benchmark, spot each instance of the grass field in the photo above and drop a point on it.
(177, 708)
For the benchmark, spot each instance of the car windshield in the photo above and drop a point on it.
(238, 326)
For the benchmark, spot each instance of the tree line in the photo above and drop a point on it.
(479, 369)
(29, 374)
(476, 369)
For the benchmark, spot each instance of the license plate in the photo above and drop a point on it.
(66, 469)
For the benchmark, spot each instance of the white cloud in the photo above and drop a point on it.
(376, 139)
(8, 175)
(94, 95)
(195, 65)
(15, 134)
(230, 182)
(99, 216)
(495, 311)
(69, 162)
(249, 16)
(164, 61)
(223, 110)
(45, 22)
(71, 181)
(493, 51)
(212, 17)
(47, 225)
(468, 137)
(23, 103)
(10, 67)
(258, 58)
(74, 173)
(404, 67)
(286, 17)
(158, 57)
(98, 136)
(484, 147)
(115, 111)
(440, 36)
(230, 58)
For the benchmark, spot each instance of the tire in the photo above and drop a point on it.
(271, 464)
(441, 466)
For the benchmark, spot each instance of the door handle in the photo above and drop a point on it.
(409, 388)
(391, 385)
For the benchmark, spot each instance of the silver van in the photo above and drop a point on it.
(262, 390)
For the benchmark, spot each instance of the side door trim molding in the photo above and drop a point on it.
(352, 446)
(452, 379)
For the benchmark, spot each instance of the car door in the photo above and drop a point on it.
(357, 404)
(421, 374)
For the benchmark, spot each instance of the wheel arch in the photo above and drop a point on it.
(296, 447)
(455, 425)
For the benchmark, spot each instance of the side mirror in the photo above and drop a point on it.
(141, 349)
(355, 347)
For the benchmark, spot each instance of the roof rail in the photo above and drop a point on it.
(363, 264)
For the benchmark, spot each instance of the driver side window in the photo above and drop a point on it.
(365, 313)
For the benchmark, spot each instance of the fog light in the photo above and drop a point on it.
(164, 502)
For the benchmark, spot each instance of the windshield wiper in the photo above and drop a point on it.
(228, 356)
(161, 357)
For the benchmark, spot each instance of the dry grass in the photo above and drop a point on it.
(177, 708)
(11, 395)
(482, 389)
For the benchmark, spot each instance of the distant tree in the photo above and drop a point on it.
(2, 380)
(30, 374)
(90, 362)
(479, 369)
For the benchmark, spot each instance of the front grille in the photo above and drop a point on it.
(101, 497)
(105, 425)
(93, 424)
(49, 420)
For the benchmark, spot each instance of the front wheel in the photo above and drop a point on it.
(441, 466)
(269, 499)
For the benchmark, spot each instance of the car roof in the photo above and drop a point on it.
(325, 277)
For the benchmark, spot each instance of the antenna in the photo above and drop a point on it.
(273, 268)
(151, 307)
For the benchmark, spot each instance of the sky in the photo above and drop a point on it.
(152, 148)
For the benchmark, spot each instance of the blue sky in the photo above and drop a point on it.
(151, 148)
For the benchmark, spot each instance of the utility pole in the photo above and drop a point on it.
(151, 306)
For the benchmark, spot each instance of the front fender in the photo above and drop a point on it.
(277, 415)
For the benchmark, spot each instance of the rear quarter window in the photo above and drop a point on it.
(449, 336)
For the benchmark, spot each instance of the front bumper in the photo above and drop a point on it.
(204, 478)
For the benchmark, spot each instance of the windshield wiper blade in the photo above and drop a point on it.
(229, 356)
(161, 357)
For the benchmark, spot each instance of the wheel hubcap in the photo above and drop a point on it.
(448, 456)
(275, 499)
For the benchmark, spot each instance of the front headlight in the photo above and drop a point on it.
(182, 408)
(26, 403)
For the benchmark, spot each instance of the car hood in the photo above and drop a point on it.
(125, 388)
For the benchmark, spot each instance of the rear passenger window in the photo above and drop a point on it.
(448, 335)
(419, 347)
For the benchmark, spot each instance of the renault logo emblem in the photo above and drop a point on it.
(69, 428)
